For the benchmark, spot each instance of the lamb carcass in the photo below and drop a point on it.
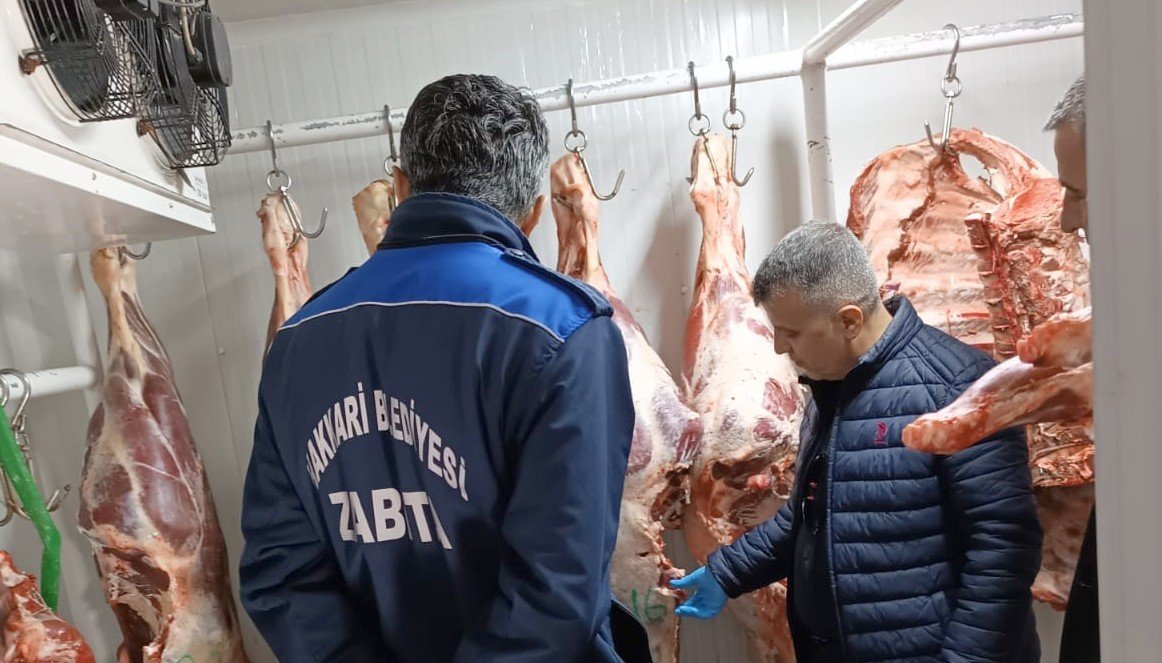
(146, 506)
(985, 260)
(29, 631)
(666, 434)
(288, 259)
(748, 395)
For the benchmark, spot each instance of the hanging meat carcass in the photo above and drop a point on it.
(985, 260)
(1050, 379)
(29, 631)
(146, 505)
(666, 432)
(373, 205)
(749, 397)
(287, 254)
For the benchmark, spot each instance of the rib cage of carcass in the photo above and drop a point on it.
(984, 259)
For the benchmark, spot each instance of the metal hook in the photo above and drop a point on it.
(23, 441)
(10, 506)
(272, 177)
(137, 256)
(273, 150)
(697, 116)
(394, 157)
(951, 88)
(297, 223)
(734, 119)
(705, 142)
(391, 160)
(583, 142)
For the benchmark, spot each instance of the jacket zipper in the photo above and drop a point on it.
(830, 530)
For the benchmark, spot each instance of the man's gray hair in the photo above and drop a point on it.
(477, 136)
(824, 264)
(1071, 108)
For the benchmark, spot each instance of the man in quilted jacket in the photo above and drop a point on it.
(889, 554)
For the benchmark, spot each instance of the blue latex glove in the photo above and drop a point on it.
(708, 596)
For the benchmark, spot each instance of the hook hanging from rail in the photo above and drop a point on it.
(697, 117)
(582, 141)
(272, 178)
(734, 120)
(19, 423)
(951, 88)
(127, 252)
(696, 126)
(392, 160)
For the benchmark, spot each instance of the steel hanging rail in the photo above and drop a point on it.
(673, 81)
(49, 382)
(813, 74)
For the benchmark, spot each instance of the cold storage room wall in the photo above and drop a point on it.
(210, 297)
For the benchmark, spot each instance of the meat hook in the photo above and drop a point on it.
(272, 178)
(582, 141)
(23, 441)
(699, 124)
(137, 256)
(392, 160)
(734, 119)
(951, 88)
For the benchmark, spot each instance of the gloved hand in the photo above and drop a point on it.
(708, 596)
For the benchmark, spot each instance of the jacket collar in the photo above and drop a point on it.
(431, 217)
(905, 324)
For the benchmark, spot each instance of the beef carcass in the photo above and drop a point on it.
(748, 395)
(985, 259)
(909, 207)
(1051, 380)
(1013, 393)
(29, 631)
(373, 206)
(288, 259)
(146, 505)
(666, 433)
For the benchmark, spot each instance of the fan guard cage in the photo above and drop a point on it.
(94, 62)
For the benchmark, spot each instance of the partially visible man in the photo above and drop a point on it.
(1081, 633)
(443, 433)
(1068, 124)
(889, 553)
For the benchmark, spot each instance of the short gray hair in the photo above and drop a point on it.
(1071, 108)
(823, 263)
(477, 136)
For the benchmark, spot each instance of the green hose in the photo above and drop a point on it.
(12, 461)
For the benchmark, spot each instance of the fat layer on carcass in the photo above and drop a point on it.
(666, 434)
(29, 631)
(749, 397)
(288, 260)
(985, 259)
(146, 506)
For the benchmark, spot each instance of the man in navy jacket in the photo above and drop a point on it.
(890, 554)
(443, 433)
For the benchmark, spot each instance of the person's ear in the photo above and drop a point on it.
(851, 320)
(530, 221)
(403, 187)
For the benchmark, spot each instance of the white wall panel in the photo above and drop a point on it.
(210, 297)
